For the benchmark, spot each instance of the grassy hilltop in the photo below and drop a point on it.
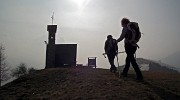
(87, 83)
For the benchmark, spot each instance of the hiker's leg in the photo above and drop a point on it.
(111, 61)
(127, 65)
(111, 57)
(127, 62)
(136, 68)
(134, 64)
(113, 66)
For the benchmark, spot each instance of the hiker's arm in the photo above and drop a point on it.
(116, 48)
(105, 46)
(122, 35)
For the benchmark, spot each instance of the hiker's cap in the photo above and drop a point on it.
(109, 36)
(125, 21)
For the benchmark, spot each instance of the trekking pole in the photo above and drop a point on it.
(119, 71)
(122, 52)
(104, 54)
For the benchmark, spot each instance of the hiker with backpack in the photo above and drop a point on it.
(131, 34)
(111, 49)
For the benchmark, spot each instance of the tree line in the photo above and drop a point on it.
(7, 72)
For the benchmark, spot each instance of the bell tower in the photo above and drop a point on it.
(58, 55)
(50, 49)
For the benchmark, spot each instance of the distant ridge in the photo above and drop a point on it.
(172, 59)
(154, 66)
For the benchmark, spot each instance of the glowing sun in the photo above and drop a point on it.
(81, 3)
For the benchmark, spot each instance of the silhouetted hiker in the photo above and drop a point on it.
(111, 50)
(131, 34)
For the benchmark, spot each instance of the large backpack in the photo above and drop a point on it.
(134, 35)
(111, 45)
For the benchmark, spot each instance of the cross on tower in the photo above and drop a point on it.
(52, 18)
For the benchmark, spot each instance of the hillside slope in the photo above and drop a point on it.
(87, 83)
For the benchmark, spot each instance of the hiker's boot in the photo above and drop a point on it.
(115, 68)
(111, 70)
(114, 71)
(139, 78)
(123, 74)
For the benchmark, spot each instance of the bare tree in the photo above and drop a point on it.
(3, 66)
(20, 70)
(31, 70)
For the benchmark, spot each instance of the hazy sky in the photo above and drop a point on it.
(23, 27)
